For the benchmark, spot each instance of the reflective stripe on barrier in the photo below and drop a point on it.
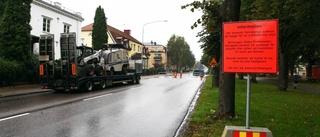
(249, 134)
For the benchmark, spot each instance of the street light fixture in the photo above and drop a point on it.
(143, 37)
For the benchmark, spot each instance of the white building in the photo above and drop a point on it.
(48, 17)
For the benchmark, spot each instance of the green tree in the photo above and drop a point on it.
(210, 36)
(2, 7)
(188, 57)
(15, 41)
(297, 20)
(99, 31)
(179, 52)
(311, 50)
(214, 13)
(15, 30)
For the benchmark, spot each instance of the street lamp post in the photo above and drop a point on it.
(143, 37)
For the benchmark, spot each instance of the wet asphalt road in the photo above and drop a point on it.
(154, 108)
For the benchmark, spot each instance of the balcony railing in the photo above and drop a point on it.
(157, 51)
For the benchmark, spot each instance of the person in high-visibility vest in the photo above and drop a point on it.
(175, 74)
(201, 76)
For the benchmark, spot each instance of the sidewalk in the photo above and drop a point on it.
(32, 89)
(299, 86)
(21, 90)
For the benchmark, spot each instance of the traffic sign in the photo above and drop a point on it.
(250, 47)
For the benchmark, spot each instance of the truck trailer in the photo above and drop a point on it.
(82, 68)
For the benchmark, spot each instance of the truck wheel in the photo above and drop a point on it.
(89, 85)
(99, 70)
(102, 84)
(133, 80)
(138, 79)
(89, 70)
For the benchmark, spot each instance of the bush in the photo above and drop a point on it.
(30, 71)
(14, 72)
(9, 71)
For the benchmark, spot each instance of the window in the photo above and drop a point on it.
(134, 47)
(66, 28)
(158, 55)
(157, 62)
(46, 24)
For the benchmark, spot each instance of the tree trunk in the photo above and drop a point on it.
(240, 75)
(226, 99)
(253, 78)
(215, 77)
(309, 68)
(283, 72)
(229, 11)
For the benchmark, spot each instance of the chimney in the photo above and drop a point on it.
(127, 31)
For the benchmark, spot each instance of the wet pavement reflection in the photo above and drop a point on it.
(156, 108)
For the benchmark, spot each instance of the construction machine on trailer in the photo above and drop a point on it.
(81, 67)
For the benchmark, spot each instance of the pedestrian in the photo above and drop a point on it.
(295, 82)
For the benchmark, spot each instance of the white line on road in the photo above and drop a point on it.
(14, 117)
(96, 97)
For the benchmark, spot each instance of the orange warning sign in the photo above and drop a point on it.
(250, 47)
(213, 62)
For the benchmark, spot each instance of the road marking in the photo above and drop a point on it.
(16, 116)
(96, 97)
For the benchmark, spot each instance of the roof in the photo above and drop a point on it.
(152, 44)
(119, 46)
(56, 6)
(114, 32)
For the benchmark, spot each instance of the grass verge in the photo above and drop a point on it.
(286, 114)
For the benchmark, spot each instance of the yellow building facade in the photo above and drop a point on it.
(158, 55)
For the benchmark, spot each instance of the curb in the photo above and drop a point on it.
(27, 93)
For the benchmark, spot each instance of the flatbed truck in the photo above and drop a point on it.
(67, 73)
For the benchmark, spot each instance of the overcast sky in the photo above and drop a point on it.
(134, 14)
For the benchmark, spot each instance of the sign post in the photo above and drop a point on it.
(248, 103)
(250, 47)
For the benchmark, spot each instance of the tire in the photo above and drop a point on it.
(89, 70)
(98, 71)
(103, 84)
(137, 79)
(133, 81)
(88, 86)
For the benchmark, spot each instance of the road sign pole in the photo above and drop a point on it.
(248, 103)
